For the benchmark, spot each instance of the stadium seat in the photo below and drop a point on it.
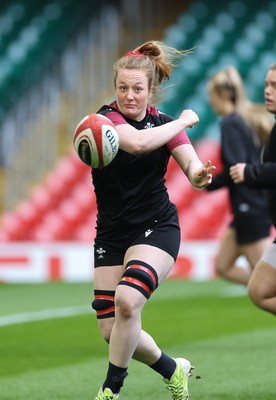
(52, 228)
(12, 227)
(29, 215)
(86, 231)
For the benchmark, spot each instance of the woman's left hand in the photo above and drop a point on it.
(203, 176)
(237, 172)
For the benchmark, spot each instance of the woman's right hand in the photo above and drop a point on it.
(189, 117)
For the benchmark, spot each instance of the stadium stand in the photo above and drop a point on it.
(240, 33)
(32, 33)
(62, 206)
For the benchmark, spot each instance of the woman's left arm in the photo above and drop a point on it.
(199, 174)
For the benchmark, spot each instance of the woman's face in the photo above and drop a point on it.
(216, 101)
(270, 91)
(132, 93)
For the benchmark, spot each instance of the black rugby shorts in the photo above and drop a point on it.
(250, 229)
(163, 232)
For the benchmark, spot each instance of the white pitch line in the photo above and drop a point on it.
(43, 315)
(235, 291)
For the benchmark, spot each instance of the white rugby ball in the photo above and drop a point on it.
(96, 140)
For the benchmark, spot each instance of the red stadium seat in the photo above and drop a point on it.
(30, 216)
(52, 228)
(12, 227)
(204, 218)
(64, 206)
(43, 200)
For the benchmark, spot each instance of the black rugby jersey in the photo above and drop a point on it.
(131, 190)
(264, 175)
(237, 146)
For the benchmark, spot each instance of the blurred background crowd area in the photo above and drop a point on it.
(56, 67)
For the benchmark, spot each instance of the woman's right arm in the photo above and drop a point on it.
(142, 141)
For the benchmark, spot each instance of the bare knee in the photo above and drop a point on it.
(253, 293)
(257, 293)
(220, 271)
(220, 267)
(124, 308)
(129, 303)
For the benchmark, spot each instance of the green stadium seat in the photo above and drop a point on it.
(236, 33)
(35, 33)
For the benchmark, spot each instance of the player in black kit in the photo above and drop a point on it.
(244, 128)
(138, 233)
(262, 284)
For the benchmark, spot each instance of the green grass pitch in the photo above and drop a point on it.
(231, 343)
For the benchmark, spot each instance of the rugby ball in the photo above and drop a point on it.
(96, 140)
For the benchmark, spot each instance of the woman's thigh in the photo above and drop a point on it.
(158, 259)
(262, 283)
(228, 251)
(107, 278)
(254, 251)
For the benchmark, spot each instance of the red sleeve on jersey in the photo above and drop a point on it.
(178, 140)
(116, 118)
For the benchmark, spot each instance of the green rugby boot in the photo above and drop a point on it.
(106, 395)
(178, 384)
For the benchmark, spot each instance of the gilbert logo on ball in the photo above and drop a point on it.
(96, 140)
